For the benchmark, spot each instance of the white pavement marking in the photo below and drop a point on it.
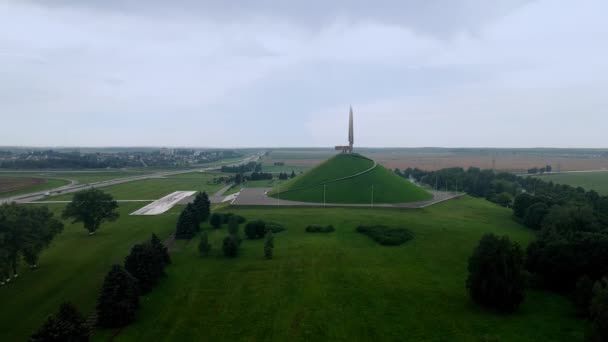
(162, 205)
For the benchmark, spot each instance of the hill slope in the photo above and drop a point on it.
(386, 186)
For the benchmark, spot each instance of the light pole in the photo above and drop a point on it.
(324, 188)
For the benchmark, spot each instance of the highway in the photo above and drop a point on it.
(70, 188)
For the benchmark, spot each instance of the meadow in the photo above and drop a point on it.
(344, 286)
(597, 181)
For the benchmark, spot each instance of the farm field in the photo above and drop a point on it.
(73, 269)
(15, 185)
(597, 181)
(344, 286)
(150, 189)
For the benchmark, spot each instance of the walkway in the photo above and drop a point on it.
(259, 197)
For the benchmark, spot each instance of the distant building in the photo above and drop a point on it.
(166, 151)
(351, 136)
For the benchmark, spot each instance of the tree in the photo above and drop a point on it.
(293, 174)
(202, 206)
(161, 250)
(145, 264)
(67, 325)
(504, 199)
(119, 299)
(535, 214)
(216, 220)
(598, 330)
(255, 229)
(230, 246)
(91, 207)
(187, 224)
(583, 293)
(495, 273)
(233, 226)
(203, 246)
(521, 204)
(268, 245)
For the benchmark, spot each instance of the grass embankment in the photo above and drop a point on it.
(73, 269)
(344, 286)
(379, 185)
(597, 181)
(15, 185)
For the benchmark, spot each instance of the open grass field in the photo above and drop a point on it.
(343, 286)
(151, 189)
(597, 181)
(73, 269)
(16, 185)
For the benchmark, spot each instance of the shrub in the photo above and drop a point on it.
(230, 246)
(255, 229)
(315, 228)
(216, 220)
(66, 325)
(495, 273)
(268, 245)
(274, 227)
(204, 247)
(119, 299)
(386, 236)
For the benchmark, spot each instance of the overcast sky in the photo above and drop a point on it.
(453, 73)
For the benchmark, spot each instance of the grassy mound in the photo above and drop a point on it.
(387, 236)
(387, 187)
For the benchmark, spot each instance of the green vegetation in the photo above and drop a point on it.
(65, 325)
(316, 228)
(13, 186)
(343, 287)
(382, 184)
(387, 236)
(597, 181)
(73, 269)
(91, 208)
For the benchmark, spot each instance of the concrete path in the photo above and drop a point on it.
(259, 197)
(162, 205)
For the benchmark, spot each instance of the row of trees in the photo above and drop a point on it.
(188, 223)
(24, 233)
(285, 175)
(249, 167)
(540, 170)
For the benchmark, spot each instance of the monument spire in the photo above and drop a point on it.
(351, 133)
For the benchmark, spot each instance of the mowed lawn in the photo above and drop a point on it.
(152, 189)
(24, 185)
(597, 181)
(342, 286)
(73, 269)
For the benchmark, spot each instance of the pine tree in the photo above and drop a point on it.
(145, 264)
(202, 206)
(269, 245)
(187, 224)
(204, 247)
(118, 302)
(216, 220)
(66, 325)
(230, 246)
(161, 249)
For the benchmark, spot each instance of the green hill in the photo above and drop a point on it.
(387, 187)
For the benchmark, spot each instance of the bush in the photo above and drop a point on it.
(66, 325)
(119, 299)
(216, 220)
(386, 236)
(315, 228)
(255, 229)
(268, 245)
(274, 227)
(230, 246)
(204, 247)
(496, 273)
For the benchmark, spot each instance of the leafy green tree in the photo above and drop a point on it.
(187, 224)
(161, 250)
(495, 273)
(91, 207)
(216, 220)
(203, 246)
(598, 329)
(268, 245)
(67, 325)
(119, 299)
(521, 204)
(504, 199)
(146, 265)
(202, 206)
(535, 214)
(230, 246)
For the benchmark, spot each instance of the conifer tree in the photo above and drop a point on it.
(204, 247)
(230, 246)
(269, 245)
(66, 325)
(145, 264)
(187, 224)
(216, 220)
(161, 249)
(202, 206)
(119, 300)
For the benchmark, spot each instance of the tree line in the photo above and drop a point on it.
(249, 167)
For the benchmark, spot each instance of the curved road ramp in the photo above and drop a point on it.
(162, 205)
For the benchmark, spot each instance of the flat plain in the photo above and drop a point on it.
(597, 181)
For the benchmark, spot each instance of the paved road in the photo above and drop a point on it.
(258, 197)
(66, 189)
